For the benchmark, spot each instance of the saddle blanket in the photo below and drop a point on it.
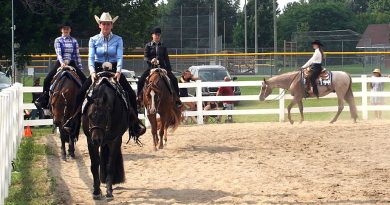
(325, 78)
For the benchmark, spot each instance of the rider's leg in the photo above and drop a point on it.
(316, 71)
(175, 86)
(81, 75)
(135, 126)
(141, 82)
(43, 101)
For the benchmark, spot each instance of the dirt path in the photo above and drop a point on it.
(251, 163)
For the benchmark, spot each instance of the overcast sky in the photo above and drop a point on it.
(281, 3)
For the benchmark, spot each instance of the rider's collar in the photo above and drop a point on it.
(156, 43)
(109, 35)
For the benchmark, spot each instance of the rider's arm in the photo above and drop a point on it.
(91, 55)
(78, 58)
(57, 47)
(119, 55)
(166, 57)
(316, 58)
(147, 56)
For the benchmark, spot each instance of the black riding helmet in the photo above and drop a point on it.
(317, 42)
(156, 30)
(64, 24)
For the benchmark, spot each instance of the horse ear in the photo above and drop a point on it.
(265, 81)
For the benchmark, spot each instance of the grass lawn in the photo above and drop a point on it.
(31, 181)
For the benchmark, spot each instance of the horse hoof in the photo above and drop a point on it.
(63, 157)
(292, 122)
(161, 147)
(97, 196)
(109, 197)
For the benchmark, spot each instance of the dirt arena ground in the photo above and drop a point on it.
(251, 163)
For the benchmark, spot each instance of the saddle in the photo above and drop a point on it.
(164, 74)
(324, 79)
(107, 78)
(68, 71)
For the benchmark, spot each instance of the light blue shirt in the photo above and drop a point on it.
(105, 50)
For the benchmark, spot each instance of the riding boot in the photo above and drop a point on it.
(136, 128)
(43, 101)
(72, 123)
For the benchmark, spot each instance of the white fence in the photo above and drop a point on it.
(11, 129)
(281, 110)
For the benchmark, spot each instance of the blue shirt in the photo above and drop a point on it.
(103, 49)
(67, 48)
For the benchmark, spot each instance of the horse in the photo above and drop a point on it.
(159, 97)
(341, 83)
(105, 108)
(62, 102)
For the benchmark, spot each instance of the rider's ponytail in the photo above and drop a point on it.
(322, 53)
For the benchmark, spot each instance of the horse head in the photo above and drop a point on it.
(99, 112)
(58, 105)
(265, 90)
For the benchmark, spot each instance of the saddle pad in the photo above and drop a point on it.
(320, 80)
(64, 73)
(110, 82)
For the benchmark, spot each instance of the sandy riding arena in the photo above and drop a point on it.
(251, 163)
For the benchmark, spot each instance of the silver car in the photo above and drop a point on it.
(5, 81)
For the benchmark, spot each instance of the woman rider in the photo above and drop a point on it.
(107, 47)
(156, 54)
(315, 63)
(67, 49)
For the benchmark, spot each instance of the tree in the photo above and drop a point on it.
(264, 21)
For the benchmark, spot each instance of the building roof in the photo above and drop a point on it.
(375, 36)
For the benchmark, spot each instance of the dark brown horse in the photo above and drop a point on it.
(159, 99)
(105, 120)
(292, 81)
(62, 102)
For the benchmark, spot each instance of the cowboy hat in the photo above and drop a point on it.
(105, 17)
(317, 42)
(156, 30)
(377, 70)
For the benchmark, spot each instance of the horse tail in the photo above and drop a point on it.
(351, 100)
(175, 116)
(117, 169)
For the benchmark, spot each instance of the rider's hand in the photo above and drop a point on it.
(63, 65)
(117, 76)
(154, 61)
(93, 76)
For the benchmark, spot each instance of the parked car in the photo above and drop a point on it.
(212, 73)
(5, 81)
(130, 76)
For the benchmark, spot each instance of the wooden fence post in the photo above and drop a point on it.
(199, 102)
(364, 98)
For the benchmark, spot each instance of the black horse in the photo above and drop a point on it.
(105, 120)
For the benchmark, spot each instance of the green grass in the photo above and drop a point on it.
(31, 181)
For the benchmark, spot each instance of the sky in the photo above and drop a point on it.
(281, 3)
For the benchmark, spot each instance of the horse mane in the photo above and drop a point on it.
(283, 80)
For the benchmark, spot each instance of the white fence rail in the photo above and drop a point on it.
(11, 129)
(281, 110)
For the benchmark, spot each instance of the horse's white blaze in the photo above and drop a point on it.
(153, 106)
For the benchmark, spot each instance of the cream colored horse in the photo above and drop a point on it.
(292, 81)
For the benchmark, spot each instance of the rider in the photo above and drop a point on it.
(107, 47)
(156, 54)
(67, 49)
(315, 64)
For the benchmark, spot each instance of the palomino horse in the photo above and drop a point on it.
(341, 84)
(106, 107)
(158, 98)
(62, 102)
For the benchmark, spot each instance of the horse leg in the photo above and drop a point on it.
(300, 105)
(63, 151)
(165, 136)
(95, 161)
(162, 129)
(289, 111)
(340, 108)
(109, 179)
(153, 124)
(71, 148)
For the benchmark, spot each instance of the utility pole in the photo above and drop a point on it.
(224, 34)
(275, 28)
(215, 27)
(246, 30)
(13, 45)
(255, 26)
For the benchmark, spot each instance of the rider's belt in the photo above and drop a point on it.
(99, 67)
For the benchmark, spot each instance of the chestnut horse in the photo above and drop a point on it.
(159, 98)
(292, 81)
(62, 102)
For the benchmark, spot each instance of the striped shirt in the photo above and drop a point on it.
(67, 48)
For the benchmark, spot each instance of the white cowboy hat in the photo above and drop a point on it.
(106, 17)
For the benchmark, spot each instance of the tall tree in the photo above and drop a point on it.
(264, 23)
